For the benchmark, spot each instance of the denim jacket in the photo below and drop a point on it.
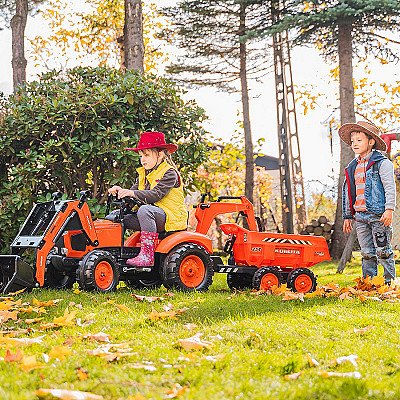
(378, 196)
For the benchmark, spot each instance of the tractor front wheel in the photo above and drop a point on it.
(267, 277)
(188, 267)
(54, 279)
(98, 271)
(302, 280)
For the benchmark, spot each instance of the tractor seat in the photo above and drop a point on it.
(164, 234)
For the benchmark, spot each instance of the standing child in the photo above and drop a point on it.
(159, 185)
(369, 197)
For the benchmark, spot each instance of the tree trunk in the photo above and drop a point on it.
(346, 115)
(248, 142)
(18, 24)
(133, 36)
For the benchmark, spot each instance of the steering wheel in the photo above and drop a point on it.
(126, 204)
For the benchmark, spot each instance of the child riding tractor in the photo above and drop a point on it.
(70, 247)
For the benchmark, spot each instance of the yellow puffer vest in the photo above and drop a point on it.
(173, 204)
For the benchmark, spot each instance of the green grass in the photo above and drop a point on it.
(261, 339)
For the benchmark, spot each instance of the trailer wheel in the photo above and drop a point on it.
(267, 277)
(98, 271)
(188, 267)
(143, 283)
(302, 280)
(239, 281)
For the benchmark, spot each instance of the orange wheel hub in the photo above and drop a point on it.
(269, 280)
(103, 275)
(192, 271)
(303, 283)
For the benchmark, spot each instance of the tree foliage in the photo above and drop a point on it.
(93, 36)
(68, 132)
(7, 10)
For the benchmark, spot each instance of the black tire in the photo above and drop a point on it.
(143, 283)
(55, 279)
(188, 267)
(239, 281)
(98, 271)
(302, 280)
(266, 277)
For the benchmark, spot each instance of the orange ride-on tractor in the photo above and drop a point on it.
(68, 246)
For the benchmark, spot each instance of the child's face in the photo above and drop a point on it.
(149, 158)
(361, 144)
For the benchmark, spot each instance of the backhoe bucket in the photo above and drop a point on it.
(15, 274)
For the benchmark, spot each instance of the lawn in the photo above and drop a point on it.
(254, 345)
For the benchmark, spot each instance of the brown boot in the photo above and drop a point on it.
(145, 258)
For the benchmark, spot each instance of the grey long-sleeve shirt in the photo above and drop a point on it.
(164, 185)
(386, 172)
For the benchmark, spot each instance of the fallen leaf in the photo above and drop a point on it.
(352, 358)
(82, 374)
(48, 303)
(77, 291)
(98, 337)
(292, 377)
(123, 308)
(13, 357)
(22, 341)
(149, 299)
(176, 391)
(190, 326)
(33, 320)
(194, 343)
(68, 394)
(17, 292)
(60, 352)
(66, 319)
(145, 366)
(155, 315)
(312, 361)
(329, 374)
(30, 363)
(7, 315)
(361, 331)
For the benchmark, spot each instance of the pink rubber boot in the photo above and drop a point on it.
(145, 258)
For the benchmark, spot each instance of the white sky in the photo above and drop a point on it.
(308, 68)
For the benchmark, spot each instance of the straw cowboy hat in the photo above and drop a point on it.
(151, 140)
(362, 126)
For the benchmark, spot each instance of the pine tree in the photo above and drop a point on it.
(212, 36)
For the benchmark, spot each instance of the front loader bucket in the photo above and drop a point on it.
(15, 274)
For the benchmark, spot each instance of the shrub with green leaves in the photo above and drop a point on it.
(68, 130)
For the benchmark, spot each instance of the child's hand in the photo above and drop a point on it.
(125, 193)
(113, 190)
(387, 217)
(347, 225)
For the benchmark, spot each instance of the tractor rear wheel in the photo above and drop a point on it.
(238, 281)
(188, 267)
(302, 280)
(267, 277)
(98, 271)
(143, 283)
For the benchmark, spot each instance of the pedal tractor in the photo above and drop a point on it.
(68, 247)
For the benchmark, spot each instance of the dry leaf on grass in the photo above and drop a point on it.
(49, 303)
(82, 374)
(13, 357)
(361, 331)
(329, 374)
(149, 299)
(146, 366)
(33, 320)
(29, 363)
(190, 326)
(292, 377)
(98, 337)
(312, 362)
(194, 343)
(352, 358)
(176, 391)
(7, 315)
(22, 341)
(155, 315)
(123, 308)
(68, 394)
(60, 352)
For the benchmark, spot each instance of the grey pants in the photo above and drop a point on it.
(148, 218)
(374, 239)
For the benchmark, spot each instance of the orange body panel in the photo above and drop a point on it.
(184, 237)
(276, 249)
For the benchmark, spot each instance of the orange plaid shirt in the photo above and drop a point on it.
(359, 180)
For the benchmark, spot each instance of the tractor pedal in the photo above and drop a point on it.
(137, 269)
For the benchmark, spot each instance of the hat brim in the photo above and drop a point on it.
(169, 146)
(345, 134)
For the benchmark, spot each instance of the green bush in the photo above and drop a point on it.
(68, 130)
